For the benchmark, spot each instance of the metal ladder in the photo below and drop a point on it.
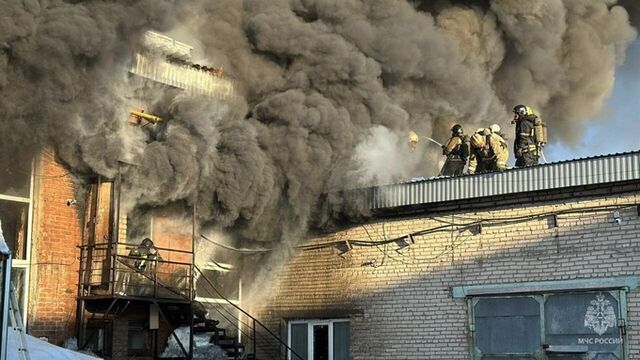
(16, 323)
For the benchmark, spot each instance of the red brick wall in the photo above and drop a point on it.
(54, 268)
(174, 234)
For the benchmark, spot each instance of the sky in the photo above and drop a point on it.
(617, 128)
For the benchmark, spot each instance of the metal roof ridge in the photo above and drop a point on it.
(563, 174)
(433, 178)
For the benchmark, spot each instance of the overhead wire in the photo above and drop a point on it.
(467, 223)
(383, 250)
(228, 247)
(496, 221)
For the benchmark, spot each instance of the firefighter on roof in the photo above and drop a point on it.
(530, 136)
(489, 152)
(495, 128)
(457, 152)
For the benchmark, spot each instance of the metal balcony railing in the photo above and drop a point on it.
(108, 270)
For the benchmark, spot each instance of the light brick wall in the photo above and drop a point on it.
(54, 256)
(403, 309)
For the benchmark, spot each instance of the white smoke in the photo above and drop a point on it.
(385, 157)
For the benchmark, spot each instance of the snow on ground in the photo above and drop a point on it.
(41, 350)
(202, 348)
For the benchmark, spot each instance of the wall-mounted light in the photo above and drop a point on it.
(411, 238)
(373, 263)
(344, 247)
(405, 241)
(475, 229)
(617, 218)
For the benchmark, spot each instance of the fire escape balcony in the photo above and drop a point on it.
(108, 270)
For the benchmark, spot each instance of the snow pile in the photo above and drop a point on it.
(41, 350)
(72, 344)
(202, 349)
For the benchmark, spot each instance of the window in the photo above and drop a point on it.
(138, 339)
(319, 339)
(578, 319)
(13, 216)
(227, 282)
(16, 209)
(16, 174)
(99, 337)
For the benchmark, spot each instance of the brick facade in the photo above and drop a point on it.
(54, 256)
(403, 308)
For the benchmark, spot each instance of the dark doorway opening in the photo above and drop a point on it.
(321, 342)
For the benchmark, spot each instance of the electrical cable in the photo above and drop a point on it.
(476, 222)
(383, 250)
(246, 251)
(220, 265)
(448, 226)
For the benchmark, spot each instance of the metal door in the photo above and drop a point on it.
(560, 326)
(506, 328)
(585, 326)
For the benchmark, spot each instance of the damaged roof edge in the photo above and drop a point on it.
(565, 174)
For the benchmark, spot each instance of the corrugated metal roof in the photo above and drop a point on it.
(564, 174)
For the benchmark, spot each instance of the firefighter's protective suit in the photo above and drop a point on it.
(135, 277)
(530, 136)
(489, 152)
(457, 152)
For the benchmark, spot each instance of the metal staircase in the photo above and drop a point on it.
(262, 342)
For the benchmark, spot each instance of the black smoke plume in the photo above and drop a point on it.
(322, 87)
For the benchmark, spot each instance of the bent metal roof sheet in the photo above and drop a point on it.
(564, 174)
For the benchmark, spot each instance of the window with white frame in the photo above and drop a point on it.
(321, 339)
(16, 212)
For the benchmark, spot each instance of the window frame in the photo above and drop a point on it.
(310, 324)
(25, 263)
(143, 330)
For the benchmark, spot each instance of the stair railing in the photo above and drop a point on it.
(255, 322)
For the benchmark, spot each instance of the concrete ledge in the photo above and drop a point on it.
(622, 282)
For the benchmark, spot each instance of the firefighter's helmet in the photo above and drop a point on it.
(457, 130)
(521, 110)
